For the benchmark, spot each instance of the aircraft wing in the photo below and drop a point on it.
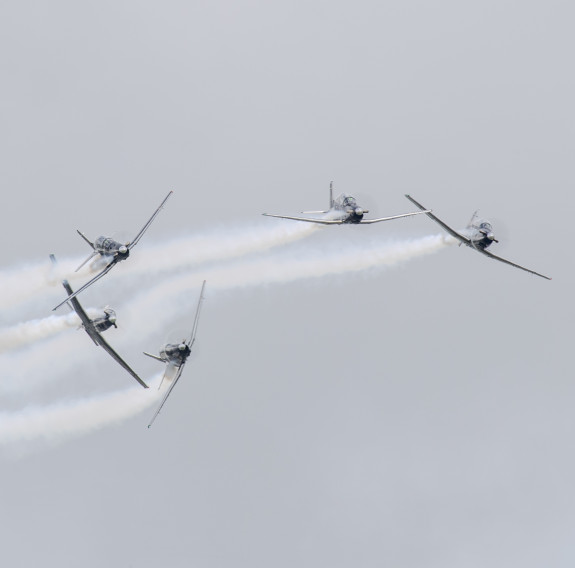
(196, 319)
(155, 357)
(491, 255)
(368, 221)
(86, 321)
(320, 221)
(451, 231)
(94, 334)
(169, 391)
(119, 360)
(89, 283)
(135, 240)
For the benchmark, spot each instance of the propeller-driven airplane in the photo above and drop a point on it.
(94, 327)
(111, 251)
(175, 356)
(343, 210)
(478, 235)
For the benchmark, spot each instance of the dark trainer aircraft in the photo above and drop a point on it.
(111, 251)
(478, 235)
(93, 327)
(343, 210)
(175, 355)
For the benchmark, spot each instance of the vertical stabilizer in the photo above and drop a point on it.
(473, 217)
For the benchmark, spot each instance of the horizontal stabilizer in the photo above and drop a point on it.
(155, 357)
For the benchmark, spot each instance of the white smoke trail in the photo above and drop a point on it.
(71, 419)
(31, 331)
(190, 251)
(167, 300)
(161, 304)
(25, 282)
(27, 369)
(286, 269)
(351, 259)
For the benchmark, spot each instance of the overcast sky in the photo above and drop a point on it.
(412, 415)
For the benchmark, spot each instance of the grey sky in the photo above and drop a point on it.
(414, 416)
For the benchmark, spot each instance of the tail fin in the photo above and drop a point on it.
(53, 274)
(85, 238)
(154, 357)
(94, 251)
(470, 224)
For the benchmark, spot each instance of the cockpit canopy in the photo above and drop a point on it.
(346, 201)
(175, 354)
(107, 245)
(110, 313)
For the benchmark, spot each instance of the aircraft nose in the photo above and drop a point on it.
(359, 211)
(123, 249)
(491, 236)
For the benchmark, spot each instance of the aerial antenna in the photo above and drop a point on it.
(330, 194)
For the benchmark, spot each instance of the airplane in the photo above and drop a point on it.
(111, 251)
(478, 235)
(343, 210)
(94, 327)
(175, 356)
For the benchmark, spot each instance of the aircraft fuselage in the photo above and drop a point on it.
(482, 242)
(353, 217)
(175, 353)
(481, 235)
(105, 322)
(107, 246)
(349, 207)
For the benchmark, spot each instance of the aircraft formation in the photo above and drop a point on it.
(107, 252)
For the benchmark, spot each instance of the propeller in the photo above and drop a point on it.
(367, 201)
(121, 236)
(111, 315)
(489, 234)
(501, 229)
(176, 336)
